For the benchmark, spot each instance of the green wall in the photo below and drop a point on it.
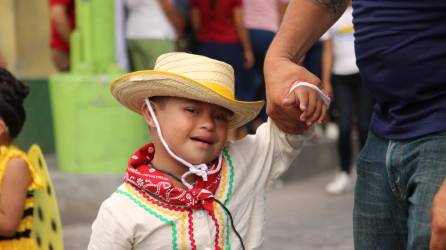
(38, 128)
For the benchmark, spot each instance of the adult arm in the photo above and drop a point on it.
(16, 179)
(248, 55)
(195, 19)
(59, 15)
(174, 16)
(282, 9)
(304, 22)
(327, 64)
(438, 238)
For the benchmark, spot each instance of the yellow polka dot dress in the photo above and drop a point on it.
(22, 239)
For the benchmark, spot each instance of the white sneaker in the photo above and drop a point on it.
(340, 184)
(332, 131)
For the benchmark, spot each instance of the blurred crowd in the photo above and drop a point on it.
(238, 33)
(234, 31)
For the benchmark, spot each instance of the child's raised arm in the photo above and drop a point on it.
(13, 191)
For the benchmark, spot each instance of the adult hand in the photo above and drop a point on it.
(280, 74)
(438, 213)
(248, 59)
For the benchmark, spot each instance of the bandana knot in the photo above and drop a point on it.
(143, 176)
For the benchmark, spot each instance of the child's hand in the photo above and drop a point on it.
(311, 102)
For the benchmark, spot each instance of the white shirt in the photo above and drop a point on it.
(341, 33)
(146, 20)
(128, 221)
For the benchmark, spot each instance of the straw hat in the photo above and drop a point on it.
(189, 76)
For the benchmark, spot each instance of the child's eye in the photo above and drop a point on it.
(221, 117)
(191, 110)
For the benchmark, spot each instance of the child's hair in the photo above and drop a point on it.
(12, 94)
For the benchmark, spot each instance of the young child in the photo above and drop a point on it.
(17, 177)
(190, 188)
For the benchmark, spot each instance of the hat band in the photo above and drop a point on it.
(219, 89)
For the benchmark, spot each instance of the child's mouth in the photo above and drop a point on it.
(204, 140)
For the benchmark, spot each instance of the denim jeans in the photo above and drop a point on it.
(260, 41)
(397, 181)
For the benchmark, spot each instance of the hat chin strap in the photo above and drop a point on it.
(199, 170)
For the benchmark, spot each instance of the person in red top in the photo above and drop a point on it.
(62, 24)
(221, 34)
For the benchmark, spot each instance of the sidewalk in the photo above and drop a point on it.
(301, 216)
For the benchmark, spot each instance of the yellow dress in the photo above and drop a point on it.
(22, 240)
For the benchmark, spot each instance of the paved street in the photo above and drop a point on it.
(301, 216)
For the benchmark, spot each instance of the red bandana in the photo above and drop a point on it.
(144, 177)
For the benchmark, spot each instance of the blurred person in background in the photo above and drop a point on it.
(183, 42)
(401, 53)
(62, 20)
(341, 78)
(221, 34)
(262, 19)
(2, 61)
(152, 28)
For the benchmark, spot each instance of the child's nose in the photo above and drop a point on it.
(207, 121)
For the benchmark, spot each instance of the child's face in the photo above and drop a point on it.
(195, 131)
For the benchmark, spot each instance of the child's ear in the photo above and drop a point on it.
(3, 127)
(147, 116)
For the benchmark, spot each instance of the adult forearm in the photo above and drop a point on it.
(282, 9)
(195, 20)
(241, 29)
(174, 17)
(327, 61)
(63, 28)
(304, 22)
(62, 23)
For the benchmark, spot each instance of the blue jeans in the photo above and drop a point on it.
(260, 41)
(397, 181)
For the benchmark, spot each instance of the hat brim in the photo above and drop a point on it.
(132, 89)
